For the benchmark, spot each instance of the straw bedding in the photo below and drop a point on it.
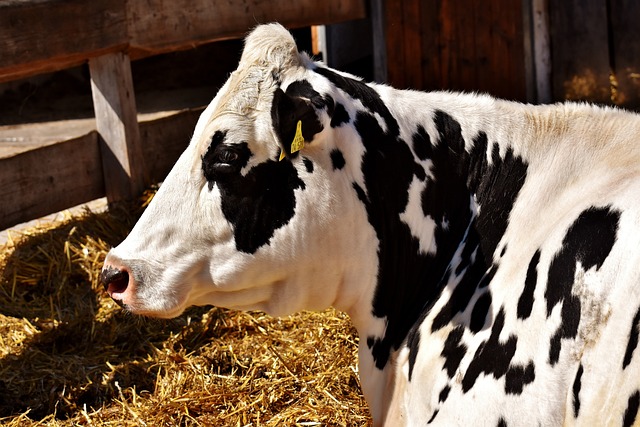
(70, 356)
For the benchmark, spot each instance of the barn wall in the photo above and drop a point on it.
(596, 50)
(470, 45)
(529, 50)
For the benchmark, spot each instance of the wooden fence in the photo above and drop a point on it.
(527, 50)
(122, 156)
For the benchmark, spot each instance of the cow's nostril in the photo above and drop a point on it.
(114, 280)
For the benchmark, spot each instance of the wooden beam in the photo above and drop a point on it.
(117, 124)
(48, 35)
(449, 47)
(165, 25)
(49, 179)
(499, 49)
(55, 177)
(413, 39)
(395, 54)
(165, 139)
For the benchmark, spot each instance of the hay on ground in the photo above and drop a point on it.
(70, 356)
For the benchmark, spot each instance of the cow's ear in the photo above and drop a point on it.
(294, 118)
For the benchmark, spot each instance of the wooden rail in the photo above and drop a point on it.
(122, 156)
(49, 35)
(55, 177)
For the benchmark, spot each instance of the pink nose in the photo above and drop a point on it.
(115, 281)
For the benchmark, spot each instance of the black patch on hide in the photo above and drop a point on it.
(453, 351)
(492, 357)
(340, 116)
(633, 340)
(337, 159)
(525, 303)
(256, 204)
(421, 143)
(444, 393)
(577, 385)
(494, 184)
(588, 241)
(308, 164)
(518, 376)
(479, 313)
(631, 412)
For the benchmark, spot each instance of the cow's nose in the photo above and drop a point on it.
(115, 281)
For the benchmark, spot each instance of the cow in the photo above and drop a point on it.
(486, 251)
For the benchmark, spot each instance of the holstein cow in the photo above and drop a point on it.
(488, 252)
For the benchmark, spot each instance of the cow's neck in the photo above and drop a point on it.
(463, 197)
(466, 200)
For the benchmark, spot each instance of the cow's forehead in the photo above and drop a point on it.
(239, 117)
(243, 107)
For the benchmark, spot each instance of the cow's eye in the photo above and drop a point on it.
(227, 156)
(222, 161)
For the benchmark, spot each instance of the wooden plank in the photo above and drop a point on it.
(448, 51)
(55, 177)
(499, 49)
(432, 45)
(165, 139)
(579, 50)
(473, 45)
(394, 24)
(626, 51)
(165, 25)
(49, 179)
(412, 37)
(117, 125)
(49, 35)
(460, 36)
(529, 50)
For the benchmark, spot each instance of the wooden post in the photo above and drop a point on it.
(117, 124)
(537, 51)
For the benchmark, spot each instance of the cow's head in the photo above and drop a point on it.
(248, 219)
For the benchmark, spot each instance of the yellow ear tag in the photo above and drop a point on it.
(298, 141)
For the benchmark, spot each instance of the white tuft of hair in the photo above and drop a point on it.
(272, 45)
